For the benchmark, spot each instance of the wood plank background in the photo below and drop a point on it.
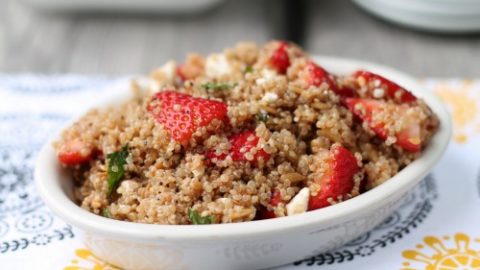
(118, 44)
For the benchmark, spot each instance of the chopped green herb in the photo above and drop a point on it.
(262, 117)
(106, 213)
(116, 170)
(218, 86)
(197, 219)
(248, 69)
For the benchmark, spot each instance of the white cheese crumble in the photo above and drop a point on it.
(267, 76)
(378, 93)
(217, 65)
(154, 86)
(299, 203)
(143, 83)
(226, 202)
(270, 97)
(169, 69)
(127, 186)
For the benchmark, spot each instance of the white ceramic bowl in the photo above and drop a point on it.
(248, 245)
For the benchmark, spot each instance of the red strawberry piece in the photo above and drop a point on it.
(392, 90)
(368, 108)
(264, 213)
(74, 152)
(240, 145)
(182, 114)
(338, 178)
(318, 75)
(408, 137)
(279, 59)
(211, 154)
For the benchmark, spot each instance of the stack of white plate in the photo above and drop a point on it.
(434, 15)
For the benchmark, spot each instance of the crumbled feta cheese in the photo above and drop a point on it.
(378, 93)
(226, 202)
(267, 76)
(299, 203)
(143, 83)
(390, 140)
(377, 83)
(123, 209)
(169, 69)
(270, 97)
(166, 74)
(217, 65)
(154, 86)
(127, 186)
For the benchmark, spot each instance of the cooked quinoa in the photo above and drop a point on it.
(277, 135)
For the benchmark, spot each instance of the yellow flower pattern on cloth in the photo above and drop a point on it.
(444, 253)
(462, 98)
(87, 261)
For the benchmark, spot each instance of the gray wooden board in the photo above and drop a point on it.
(118, 44)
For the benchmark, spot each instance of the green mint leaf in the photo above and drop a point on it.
(248, 69)
(195, 218)
(211, 86)
(262, 117)
(116, 170)
(106, 213)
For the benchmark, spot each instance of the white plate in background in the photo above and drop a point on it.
(448, 16)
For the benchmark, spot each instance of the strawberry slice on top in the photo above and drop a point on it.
(241, 145)
(182, 114)
(318, 75)
(390, 89)
(280, 59)
(337, 181)
(74, 152)
(373, 111)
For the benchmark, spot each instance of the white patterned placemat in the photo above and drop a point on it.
(436, 227)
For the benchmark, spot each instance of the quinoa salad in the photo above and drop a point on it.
(254, 132)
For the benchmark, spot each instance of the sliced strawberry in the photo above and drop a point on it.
(240, 144)
(279, 59)
(365, 111)
(74, 152)
(318, 75)
(211, 154)
(393, 90)
(182, 114)
(408, 137)
(337, 180)
(264, 213)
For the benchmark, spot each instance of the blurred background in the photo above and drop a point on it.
(119, 37)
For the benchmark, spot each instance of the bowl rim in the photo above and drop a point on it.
(48, 181)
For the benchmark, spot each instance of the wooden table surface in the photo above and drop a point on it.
(118, 44)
